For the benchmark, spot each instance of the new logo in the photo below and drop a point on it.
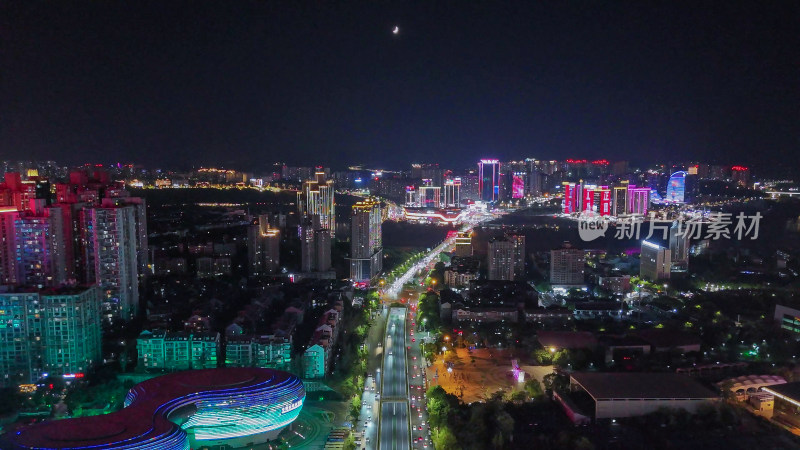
(591, 228)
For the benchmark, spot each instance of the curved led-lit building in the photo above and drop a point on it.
(676, 187)
(217, 408)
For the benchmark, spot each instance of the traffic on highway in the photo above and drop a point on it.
(394, 431)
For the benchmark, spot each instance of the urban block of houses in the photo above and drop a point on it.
(162, 350)
(542, 314)
(318, 355)
(267, 352)
(598, 310)
(489, 314)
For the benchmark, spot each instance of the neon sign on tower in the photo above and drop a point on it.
(517, 186)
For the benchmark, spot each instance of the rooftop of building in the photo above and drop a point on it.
(179, 335)
(144, 422)
(787, 391)
(746, 381)
(260, 339)
(58, 290)
(641, 385)
(566, 245)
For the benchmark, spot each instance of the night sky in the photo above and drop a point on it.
(249, 83)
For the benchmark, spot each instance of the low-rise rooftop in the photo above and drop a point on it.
(641, 386)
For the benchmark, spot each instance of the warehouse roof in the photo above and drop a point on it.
(640, 386)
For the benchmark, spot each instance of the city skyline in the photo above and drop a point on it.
(447, 225)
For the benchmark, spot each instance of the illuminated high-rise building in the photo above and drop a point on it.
(315, 245)
(411, 196)
(366, 242)
(470, 184)
(8, 261)
(40, 246)
(452, 192)
(587, 196)
(19, 362)
(518, 184)
(676, 188)
(308, 248)
(427, 171)
(655, 262)
(536, 182)
(638, 200)
(263, 247)
(679, 248)
(567, 266)
(32, 246)
(619, 200)
(507, 257)
(121, 197)
(317, 198)
(604, 200)
(322, 260)
(489, 180)
(110, 252)
(571, 198)
(741, 175)
(55, 331)
(416, 170)
(14, 191)
(463, 246)
(86, 190)
(619, 168)
(430, 196)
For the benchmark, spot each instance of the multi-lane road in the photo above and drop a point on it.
(417, 385)
(403, 418)
(394, 424)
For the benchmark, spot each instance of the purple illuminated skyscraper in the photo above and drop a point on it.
(489, 180)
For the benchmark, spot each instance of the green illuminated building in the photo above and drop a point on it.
(266, 352)
(48, 332)
(161, 350)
